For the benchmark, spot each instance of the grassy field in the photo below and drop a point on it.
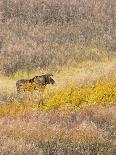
(75, 116)
(75, 40)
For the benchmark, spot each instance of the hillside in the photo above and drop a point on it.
(75, 40)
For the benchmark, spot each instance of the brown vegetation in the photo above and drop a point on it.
(42, 34)
(60, 132)
(76, 40)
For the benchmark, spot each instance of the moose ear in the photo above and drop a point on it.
(52, 81)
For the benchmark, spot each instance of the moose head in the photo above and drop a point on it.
(44, 79)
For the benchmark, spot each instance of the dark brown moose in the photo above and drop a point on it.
(36, 83)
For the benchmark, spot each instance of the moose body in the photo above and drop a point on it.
(36, 83)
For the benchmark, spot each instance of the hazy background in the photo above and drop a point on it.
(39, 34)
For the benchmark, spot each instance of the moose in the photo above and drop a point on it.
(36, 83)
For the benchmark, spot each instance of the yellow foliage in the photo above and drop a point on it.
(33, 86)
(103, 93)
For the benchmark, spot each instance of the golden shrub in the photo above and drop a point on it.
(103, 93)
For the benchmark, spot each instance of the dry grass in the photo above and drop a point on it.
(40, 34)
(80, 117)
(60, 132)
(76, 41)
